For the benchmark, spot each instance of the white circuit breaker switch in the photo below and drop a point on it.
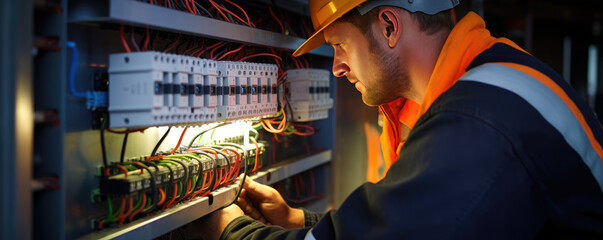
(210, 85)
(154, 89)
(309, 94)
(263, 89)
(228, 76)
(273, 83)
(253, 93)
(195, 84)
(137, 95)
(180, 89)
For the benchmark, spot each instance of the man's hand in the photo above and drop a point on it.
(212, 225)
(265, 204)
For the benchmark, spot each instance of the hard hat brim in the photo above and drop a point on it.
(313, 42)
(317, 38)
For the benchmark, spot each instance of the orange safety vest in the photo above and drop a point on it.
(467, 40)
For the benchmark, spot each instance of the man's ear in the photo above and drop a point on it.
(389, 25)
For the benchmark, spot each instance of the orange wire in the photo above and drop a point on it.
(121, 211)
(179, 141)
(173, 197)
(237, 162)
(123, 169)
(162, 194)
(130, 206)
(257, 154)
(144, 202)
(123, 38)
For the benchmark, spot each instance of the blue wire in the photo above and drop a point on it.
(74, 60)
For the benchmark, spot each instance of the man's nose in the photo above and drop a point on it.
(340, 68)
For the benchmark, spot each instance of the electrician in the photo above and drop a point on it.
(496, 144)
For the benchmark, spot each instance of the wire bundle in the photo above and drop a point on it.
(228, 161)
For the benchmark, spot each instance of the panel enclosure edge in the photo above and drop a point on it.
(143, 14)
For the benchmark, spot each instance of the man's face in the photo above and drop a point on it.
(375, 72)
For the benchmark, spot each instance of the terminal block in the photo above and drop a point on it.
(309, 95)
(173, 168)
(246, 88)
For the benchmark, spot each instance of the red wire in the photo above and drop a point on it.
(123, 39)
(146, 40)
(188, 7)
(234, 15)
(261, 54)
(193, 7)
(277, 20)
(179, 141)
(219, 11)
(230, 52)
(245, 13)
(211, 54)
(307, 63)
(173, 44)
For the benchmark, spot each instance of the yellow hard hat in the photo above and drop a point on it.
(325, 12)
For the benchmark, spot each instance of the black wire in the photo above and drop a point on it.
(212, 184)
(123, 149)
(180, 5)
(186, 176)
(243, 155)
(102, 140)
(153, 186)
(199, 172)
(190, 144)
(227, 161)
(199, 6)
(171, 171)
(151, 164)
(241, 187)
(160, 141)
(227, 14)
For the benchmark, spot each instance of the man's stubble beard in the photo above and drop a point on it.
(390, 82)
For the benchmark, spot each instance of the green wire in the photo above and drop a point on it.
(179, 189)
(139, 201)
(111, 217)
(211, 137)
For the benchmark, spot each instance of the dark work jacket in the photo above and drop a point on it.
(510, 151)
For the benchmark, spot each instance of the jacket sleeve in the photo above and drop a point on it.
(457, 177)
(246, 228)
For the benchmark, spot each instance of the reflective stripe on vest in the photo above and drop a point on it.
(309, 235)
(550, 105)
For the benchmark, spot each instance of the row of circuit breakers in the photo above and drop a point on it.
(155, 88)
